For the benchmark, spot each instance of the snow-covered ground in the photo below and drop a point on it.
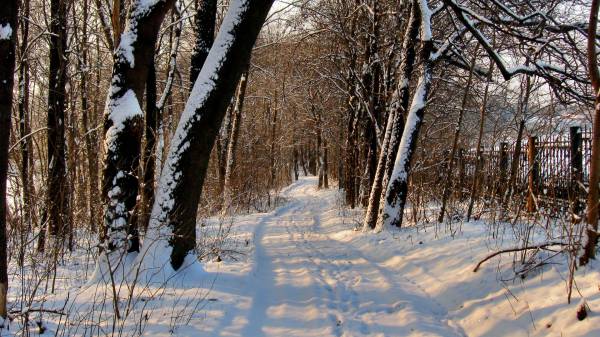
(305, 271)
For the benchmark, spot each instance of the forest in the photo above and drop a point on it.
(299, 168)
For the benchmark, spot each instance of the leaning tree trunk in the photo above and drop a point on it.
(123, 126)
(236, 120)
(398, 109)
(171, 235)
(56, 196)
(8, 39)
(591, 239)
(397, 189)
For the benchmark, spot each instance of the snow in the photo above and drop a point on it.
(303, 270)
(5, 32)
(126, 47)
(121, 110)
(426, 20)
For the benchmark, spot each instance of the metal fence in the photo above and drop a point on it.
(553, 169)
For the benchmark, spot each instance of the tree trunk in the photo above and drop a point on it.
(374, 197)
(88, 125)
(171, 235)
(204, 21)
(514, 165)
(118, 20)
(8, 39)
(397, 189)
(154, 112)
(24, 123)
(398, 108)
(591, 233)
(123, 124)
(478, 152)
(236, 121)
(56, 197)
(350, 155)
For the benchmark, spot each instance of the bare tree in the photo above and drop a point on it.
(56, 196)
(124, 125)
(173, 221)
(8, 38)
(591, 234)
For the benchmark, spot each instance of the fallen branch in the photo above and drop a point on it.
(518, 249)
(16, 313)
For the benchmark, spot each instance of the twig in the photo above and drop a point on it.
(518, 249)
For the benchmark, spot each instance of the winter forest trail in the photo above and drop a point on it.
(303, 280)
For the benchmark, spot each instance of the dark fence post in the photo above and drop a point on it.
(503, 168)
(576, 144)
(534, 170)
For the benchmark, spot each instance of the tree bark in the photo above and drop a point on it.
(8, 39)
(56, 197)
(204, 21)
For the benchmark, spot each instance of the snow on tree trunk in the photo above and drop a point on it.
(398, 107)
(123, 128)
(371, 214)
(397, 188)
(8, 39)
(171, 236)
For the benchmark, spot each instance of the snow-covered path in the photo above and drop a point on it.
(304, 281)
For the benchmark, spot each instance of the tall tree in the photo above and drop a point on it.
(23, 107)
(8, 39)
(395, 124)
(171, 235)
(123, 125)
(88, 124)
(591, 234)
(236, 120)
(398, 185)
(56, 196)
